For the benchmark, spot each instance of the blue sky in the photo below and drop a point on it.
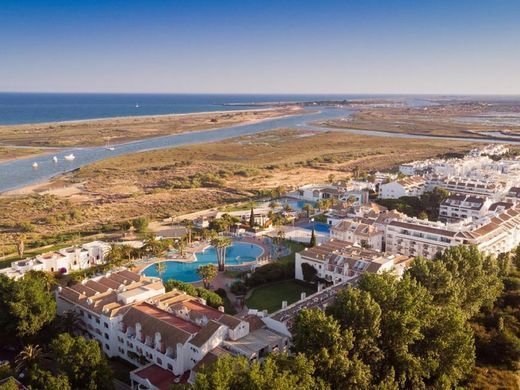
(243, 46)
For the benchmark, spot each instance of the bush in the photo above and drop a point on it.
(239, 288)
(140, 224)
(271, 272)
(212, 299)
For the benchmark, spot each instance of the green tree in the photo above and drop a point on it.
(308, 208)
(82, 362)
(252, 218)
(207, 273)
(416, 335)
(320, 337)
(461, 275)
(140, 224)
(357, 311)
(28, 357)
(9, 384)
(40, 379)
(278, 371)
(312, 241)
(221, 243)
(26, 305)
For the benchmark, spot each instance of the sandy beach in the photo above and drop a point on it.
(117, 130)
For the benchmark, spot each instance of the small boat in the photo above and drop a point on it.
(137, 106)
(108, 147)
(70, 157)
(35, 165)
(55, 159)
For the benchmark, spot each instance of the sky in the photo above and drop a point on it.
(243, 46)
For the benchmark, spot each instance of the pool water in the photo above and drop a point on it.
(318, 226)
(296, 204)
(237, 253)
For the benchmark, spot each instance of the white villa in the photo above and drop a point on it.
(64, 260)
(408, 186)
(339, 261)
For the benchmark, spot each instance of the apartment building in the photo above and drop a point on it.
(165, 334)
(493, 234)
(460, 206)
(408, 186)
(358, 232)
(64, 260)
(338, 261)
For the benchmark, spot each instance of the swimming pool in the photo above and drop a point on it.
(237, 253)
(318, 226)
(296, 204)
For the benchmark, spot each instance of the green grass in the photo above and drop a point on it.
(270, 296)
(232, 274)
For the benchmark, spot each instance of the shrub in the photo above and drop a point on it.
(238, 288)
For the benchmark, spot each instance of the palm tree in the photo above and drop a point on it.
(21, 245)
(220, 244)
(189, 227)
(308, 209)
(160, 268)
(69, 322)
(28, 356)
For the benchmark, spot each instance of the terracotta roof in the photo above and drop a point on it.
(255, 322)
(158, 376)
(423, 228)
(210, 358)
(230, 321)
(205, 333)
(173, 330)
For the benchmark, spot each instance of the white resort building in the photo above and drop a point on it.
(64, 260)
(165, 334)
(339, 261)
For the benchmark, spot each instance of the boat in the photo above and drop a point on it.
(137, 106)
(35, 165)
(70, 157)
(55, 159)
(108, 147)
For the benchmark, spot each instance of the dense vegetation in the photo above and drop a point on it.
(426, 330)
(425, 207)
(28, 321)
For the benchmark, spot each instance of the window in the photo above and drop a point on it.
(170, 367)
(106, 325)
(106, 336)
(89, 316)
(159, 361)
(97, 321)
(107, 347)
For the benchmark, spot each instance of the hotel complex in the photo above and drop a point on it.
(483, 209)
(168, 335)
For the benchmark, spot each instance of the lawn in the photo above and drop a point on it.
(270, 296)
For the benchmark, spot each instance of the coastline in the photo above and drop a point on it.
(122, 130)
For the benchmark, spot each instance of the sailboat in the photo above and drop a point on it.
(108, 147)
(55, 159)
(35, 165)
(70, 157)
(137, 106)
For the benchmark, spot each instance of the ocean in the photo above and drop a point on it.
(20, 108)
